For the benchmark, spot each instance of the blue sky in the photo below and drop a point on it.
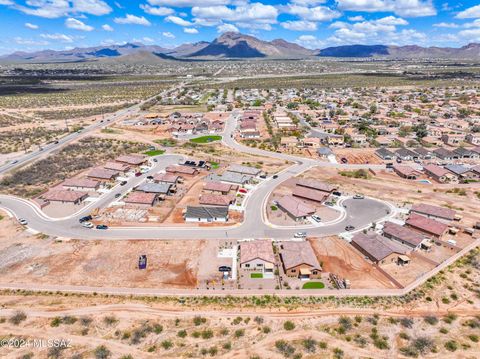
(32, 25)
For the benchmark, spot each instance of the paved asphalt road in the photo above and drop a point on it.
(359, 213)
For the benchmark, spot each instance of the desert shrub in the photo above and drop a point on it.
(310, 345)
(17, 317)
(432, 320)
(288, 325)
(182, 333)
(166, 344)
(451, 345)
(199, 320)
(285, 348)
(102, 352)
(406, 322)
(239, 333)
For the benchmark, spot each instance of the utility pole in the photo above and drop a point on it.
(66, 125)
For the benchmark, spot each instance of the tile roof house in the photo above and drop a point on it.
(295, 208)
(402, 234)
(166, 178)
(103, 174)
(117, 166)
(183, 170)
(211, 199)
(64, 196)
(316, 185)
(141, 198)
(444, 154)
(378, 249)
(299, 260)
(134, 160)
(440, 174)
(406, 154)
(426, 225)
(206, 214)
(429, 210)
(309, 194)
(257, 255)
(406, 172)
(223, 188)
(80, 184)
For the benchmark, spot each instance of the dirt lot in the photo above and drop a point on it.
(357, 155)
(39, 259)
(340, 258)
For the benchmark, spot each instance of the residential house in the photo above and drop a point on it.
(166, 178)
(141, 199)
(295, 208)
(219, 187)
(380, 250)
(182, 170)
(334, 140)
(465, 174)
(81, 184)
(405, 236)
(299, 260)
(132, 160)
(117, 166)
(158, 188)
(64, 196)
(312, 142)
(436, 212)
(211, 199)
(423, 153)
(444, 154)
(244, 170)
(257, 256)
(406, 172)
(385, 154)
(405, 154)
(453, 139)
(316, 185)
(324, 152)
(440, 174)
(309, 194)
(206, 214)
(426, 225)
(102, 174)
(289, 142)
(473, 139)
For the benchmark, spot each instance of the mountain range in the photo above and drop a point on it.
(232, 45)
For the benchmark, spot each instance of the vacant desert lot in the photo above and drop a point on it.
(31, 259)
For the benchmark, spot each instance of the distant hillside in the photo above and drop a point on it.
(468, 52)
(232, 45)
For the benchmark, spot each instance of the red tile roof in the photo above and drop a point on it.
(131, 159)
(402, 233)
(309, 193)
(141, 198)
(313, 184)
(434, 211)
(256, 250)
(215, 199)
(63, 196)
(217, 187)
(297, 253)
(426, 224)
(80, 182)
(295, 207)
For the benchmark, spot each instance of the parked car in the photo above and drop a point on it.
(263, 176)
(138, 174)
(349, 228)
(389, 165)
(300, 235)
(85, 219)
(275, 176)
(344, 160)
(22, 221)
(224, 269)
(242, 190)
(155, 160)
(150, 177)
(14, 161)
(123, 183)
(87, 224)
(337, 193)
(316, 218)
(118, 195)
(399, 160)
(359, 196)
(102, 226)
(329, 204)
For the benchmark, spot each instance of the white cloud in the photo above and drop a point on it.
(158, 11)
(190, 30)
(317, 13)
(255, 14)
(107, 27)
(132, 19)
(356, 18)
(31, 26)
(168, 34)
(472, 12)
(178, 21)
(379, 31)
(300, 25)
(189, 3)
(446, 25)
(57, 8)
(94, 7)
(75, 24)
(6, 2)
(58, 37)
(406, 8)
(145, 40)
(227, 28)
(310, 42)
